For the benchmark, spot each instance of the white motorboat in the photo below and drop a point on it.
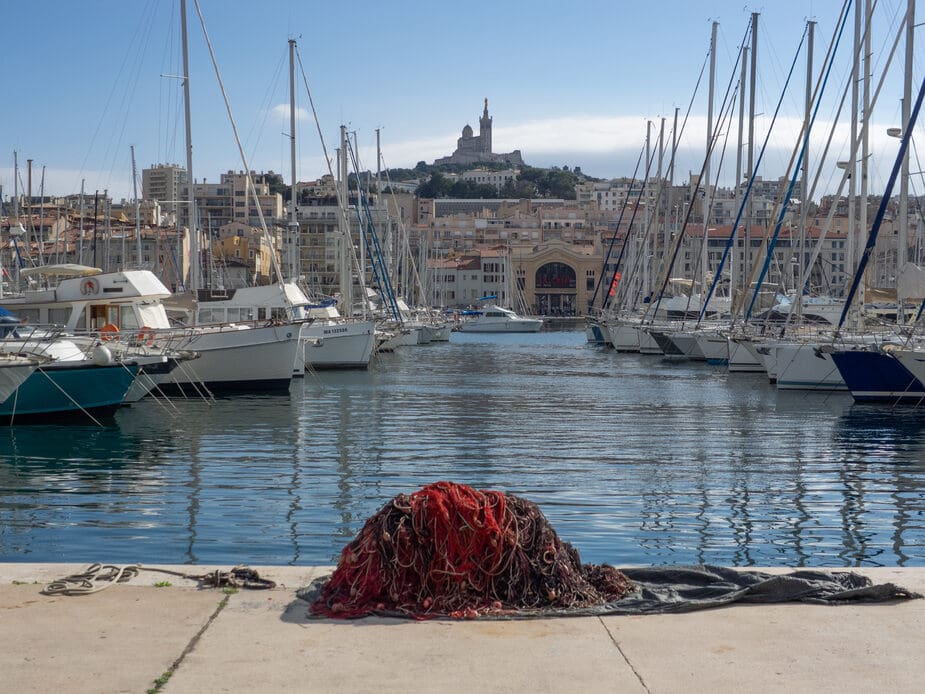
(244, 355)
(495, 319)
(329, 341)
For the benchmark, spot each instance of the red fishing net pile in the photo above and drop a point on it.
(449, 549)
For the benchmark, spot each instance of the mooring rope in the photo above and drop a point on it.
(98, 577)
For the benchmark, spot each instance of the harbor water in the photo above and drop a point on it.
(634, 459)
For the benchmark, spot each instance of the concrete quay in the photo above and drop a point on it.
(178, 638)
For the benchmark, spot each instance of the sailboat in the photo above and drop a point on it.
(240, 355)
(809, 363)
(326, 340)
(45, 376)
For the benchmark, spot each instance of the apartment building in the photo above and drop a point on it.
(164, 184)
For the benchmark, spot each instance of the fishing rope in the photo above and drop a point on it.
(455, 551)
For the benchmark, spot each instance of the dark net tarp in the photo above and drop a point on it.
(449, 550)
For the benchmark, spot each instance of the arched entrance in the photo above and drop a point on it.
(555, 289)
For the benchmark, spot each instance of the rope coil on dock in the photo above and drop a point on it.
(99, 577)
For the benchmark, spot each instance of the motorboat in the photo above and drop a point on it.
(495, 319)
(329, 341)
(244, 355)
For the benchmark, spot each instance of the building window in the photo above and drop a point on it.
(555, 276)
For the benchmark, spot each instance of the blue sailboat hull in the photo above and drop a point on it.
(877, 377)
(64, 389)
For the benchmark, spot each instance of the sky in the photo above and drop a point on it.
(568, 84)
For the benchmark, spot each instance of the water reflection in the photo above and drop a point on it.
(633, 459)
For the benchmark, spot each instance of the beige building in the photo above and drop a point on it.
(554, 279)
(227, 201)
(164, 183)
(238, 244)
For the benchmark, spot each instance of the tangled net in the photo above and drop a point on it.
(451, 550)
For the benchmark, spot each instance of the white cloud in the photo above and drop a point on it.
(281, 113)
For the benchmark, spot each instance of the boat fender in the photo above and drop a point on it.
(146, 336)
(109, 332)
(102, 356)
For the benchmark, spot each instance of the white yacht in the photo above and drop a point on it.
(329, 341)
(231, 356)
(494, 319)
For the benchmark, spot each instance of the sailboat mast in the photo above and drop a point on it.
(750, 158)
(660, 213)
(294, 253)
(865, 136)
(389, 240)
(739, 191)
(16, 186)
(108, 228)
(190, 198)
(707, 196)
(804, 189)
(670, 201)
(852, 244)
(41, 243)
(902, 240)
(346, 280)
(645, 209)
(137, 214)
(80, 246)
(96, 219)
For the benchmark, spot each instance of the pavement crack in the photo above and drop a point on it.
(626, 659)
(162, 680)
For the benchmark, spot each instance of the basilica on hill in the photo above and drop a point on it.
(475, 149)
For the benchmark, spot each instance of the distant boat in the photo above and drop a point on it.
(494, 319)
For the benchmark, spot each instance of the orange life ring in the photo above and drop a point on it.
(108, 332)
(146, 335)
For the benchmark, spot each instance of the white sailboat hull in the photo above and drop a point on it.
(13, 372)
(438, 332)
(800, 366)
(647, 343)
(714, 346)
(231, 358)
(686, 343)
(338, 344)
(741, 359)
(623, 336)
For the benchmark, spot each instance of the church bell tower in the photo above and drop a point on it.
(485, 130)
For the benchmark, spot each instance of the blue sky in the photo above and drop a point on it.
(569, 83)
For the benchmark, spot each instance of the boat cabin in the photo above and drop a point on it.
(85, 299)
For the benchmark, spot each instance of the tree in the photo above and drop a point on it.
(434, 187)
(277, 185)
